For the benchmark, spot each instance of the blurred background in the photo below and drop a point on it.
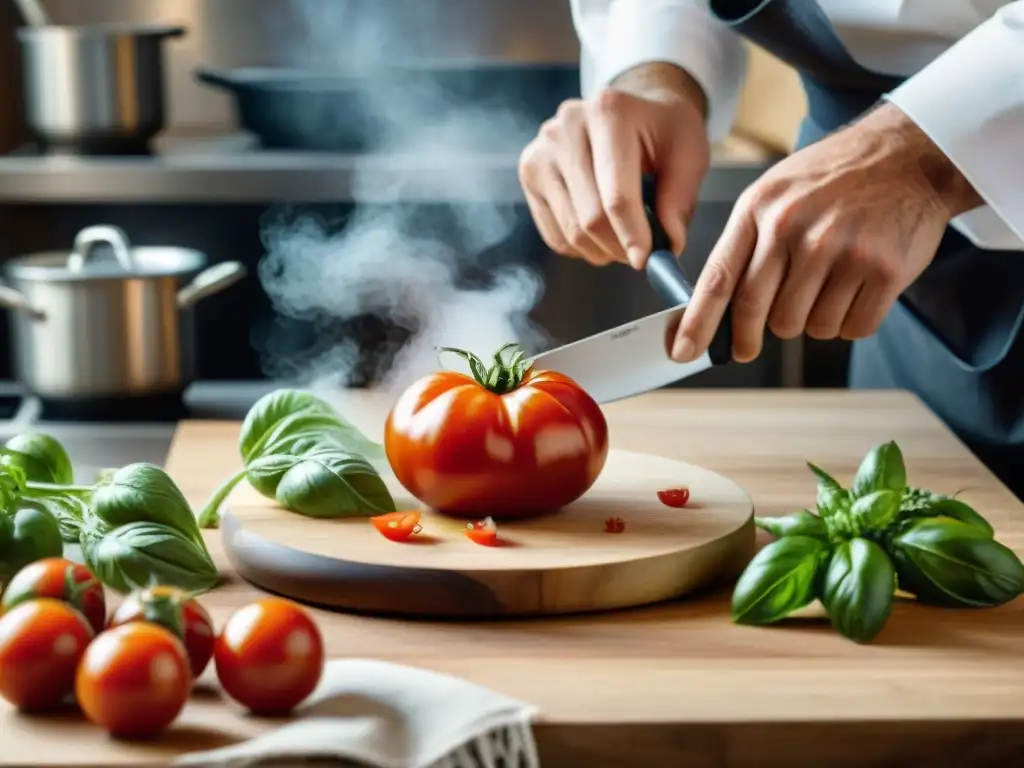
(358, 157)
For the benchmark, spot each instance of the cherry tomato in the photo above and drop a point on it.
(134, 680)
(60, 579)
(41, 643)
(508, 442)
(398, 526)
(269, 656)
(614, 525)
(483, 532)
(674, 497)
(176, 611)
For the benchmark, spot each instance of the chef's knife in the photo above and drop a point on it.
(634, 358)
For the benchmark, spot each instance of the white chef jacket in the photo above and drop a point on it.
(964, 59)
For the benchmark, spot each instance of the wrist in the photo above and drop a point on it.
(659, 81)
(951, 189)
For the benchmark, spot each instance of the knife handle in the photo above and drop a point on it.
(670, 282)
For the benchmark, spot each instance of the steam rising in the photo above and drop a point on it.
(404, 264)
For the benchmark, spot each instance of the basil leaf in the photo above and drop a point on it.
(41, 457)
(876, 511)
(68, 509)
(327, 483)
(858, 588)
(832, 497)
(945, 506)
(802, 523)
(144, 554)
(34, 534)
(267, 412)
(945, 562)
(882, 469)
(781, 578)
(144, 493)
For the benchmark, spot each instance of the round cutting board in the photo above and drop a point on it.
(562, 563)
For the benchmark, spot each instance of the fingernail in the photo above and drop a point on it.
(683, 351)
(636, 257)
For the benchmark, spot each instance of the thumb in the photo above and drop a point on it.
(679, 183)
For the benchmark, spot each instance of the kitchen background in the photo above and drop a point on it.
(350, 252)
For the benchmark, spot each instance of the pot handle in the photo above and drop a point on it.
(101, 233)
(16, 301)
(210, 281)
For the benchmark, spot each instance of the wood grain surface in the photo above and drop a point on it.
(558, 564)
(677, 683)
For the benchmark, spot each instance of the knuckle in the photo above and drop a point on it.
(569, 110)
(593, 223)
(618, 205)
(609, 102)
(577, 238)
(550, 129)
(718, 281)
(748, 303)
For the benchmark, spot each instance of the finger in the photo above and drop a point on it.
(872, 303)
(833, 303)
(597, 238)
(548, 227)
(679, 181)
(754, 297)
(574, 240)
(716, 284)
(617, 170)
(808, 269)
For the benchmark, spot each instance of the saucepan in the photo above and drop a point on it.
(88, 326)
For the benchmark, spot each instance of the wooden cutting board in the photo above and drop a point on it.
(562, 563)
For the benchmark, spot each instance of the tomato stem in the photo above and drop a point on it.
(504, 375)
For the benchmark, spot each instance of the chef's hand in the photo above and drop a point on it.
(826, 241)
(582, 174)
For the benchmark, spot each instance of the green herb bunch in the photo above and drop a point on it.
(134, 525)
(297, 450)
(869, 540)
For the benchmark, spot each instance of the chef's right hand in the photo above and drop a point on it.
(582, 174)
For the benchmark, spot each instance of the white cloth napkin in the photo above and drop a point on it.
(392, 716)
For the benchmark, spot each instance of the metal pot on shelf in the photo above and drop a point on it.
(96, 88)
(89, 327)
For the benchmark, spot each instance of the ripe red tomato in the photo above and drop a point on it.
(675, 497)
(41, 643)
(508, 442)
(269, 656)
(398, 526)
(134, 680)
(63, 580)
(176, 611)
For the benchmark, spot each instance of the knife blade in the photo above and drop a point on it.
(633, 358)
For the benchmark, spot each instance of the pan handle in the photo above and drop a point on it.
(216, 78)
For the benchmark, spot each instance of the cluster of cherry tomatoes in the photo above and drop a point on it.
(132, 673)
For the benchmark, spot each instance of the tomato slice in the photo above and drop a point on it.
(483, 532)
(398, 526)
(675, 497)
(614, 525)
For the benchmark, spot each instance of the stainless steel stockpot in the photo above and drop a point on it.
(97, 88)
(86, 325)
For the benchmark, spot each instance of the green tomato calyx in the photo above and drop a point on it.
(504, 375)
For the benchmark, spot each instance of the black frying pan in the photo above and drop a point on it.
(336, 112)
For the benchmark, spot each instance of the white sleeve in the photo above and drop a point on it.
(970, 102)
(617, 35)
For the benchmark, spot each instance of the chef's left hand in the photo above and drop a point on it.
(826, 240)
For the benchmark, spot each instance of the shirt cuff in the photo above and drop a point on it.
(970, 103)
(679, 32)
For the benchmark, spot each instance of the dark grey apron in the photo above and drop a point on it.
(955, 336)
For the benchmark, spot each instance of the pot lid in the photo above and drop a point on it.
(103, 253)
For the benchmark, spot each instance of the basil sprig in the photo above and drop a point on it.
(297, 450)
(865, 542)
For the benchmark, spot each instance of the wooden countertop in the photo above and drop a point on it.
(679, 684)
